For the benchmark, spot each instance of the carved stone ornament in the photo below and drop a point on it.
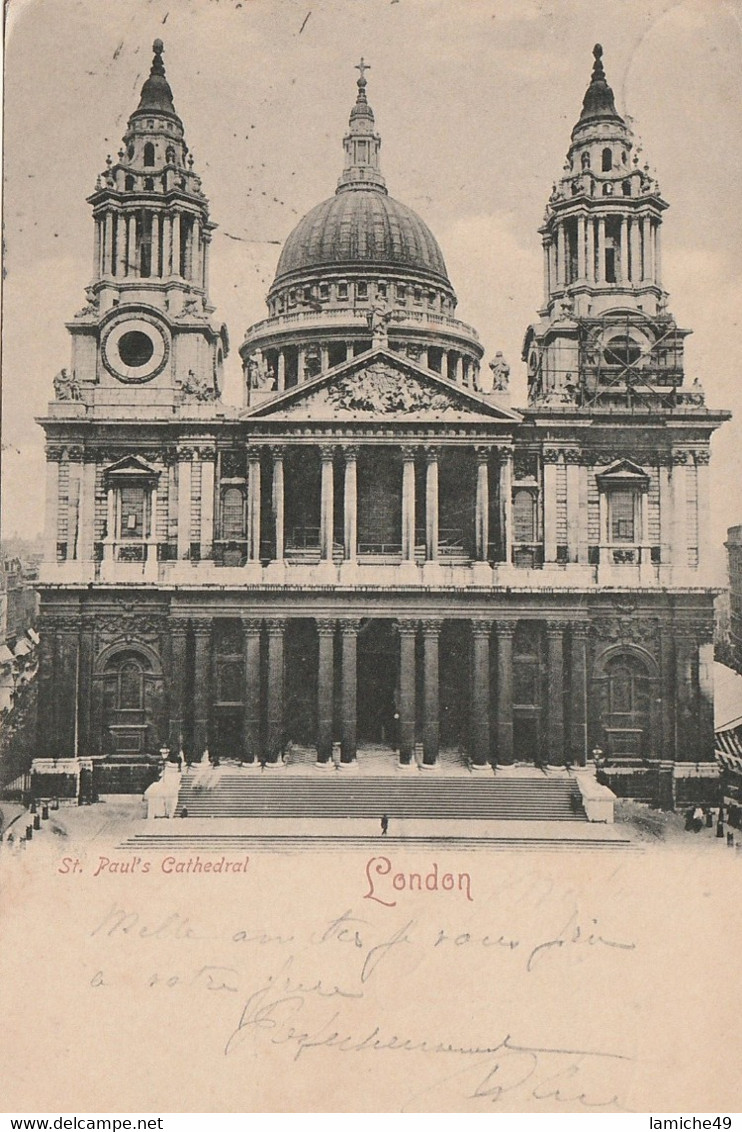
(379, 389)
(66, 387)
(130, 626)
(626, 630)
(196, 388)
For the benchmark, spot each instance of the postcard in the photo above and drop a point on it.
(370, 684)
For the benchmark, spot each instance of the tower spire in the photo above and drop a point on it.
(361, 143)
(598, 103)
(156, 93)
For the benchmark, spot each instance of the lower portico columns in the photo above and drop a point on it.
(327, 502)
(349, 688)
(431, 504)
(505, 634)
(178, 691)
(274, 737)
(407, 631)
(251, 627)
(408, 503)
(482, 505)
(278, 501)
(481, 692)
(253, 504)
(555, 699)
(578, 684)
(431, 726)
(201, 685)
(325, 687)
(350, 504)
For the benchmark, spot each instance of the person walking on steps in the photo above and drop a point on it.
(384, 824)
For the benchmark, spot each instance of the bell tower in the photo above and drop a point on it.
(606, 335)
(146, 336)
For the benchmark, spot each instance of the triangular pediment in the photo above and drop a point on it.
(624, 472)
(380, 385)
(131, 467)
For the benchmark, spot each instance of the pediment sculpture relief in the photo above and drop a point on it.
(380, 389)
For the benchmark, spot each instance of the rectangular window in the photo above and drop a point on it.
(362, 290)
(622, 516)
(132, 512)
(342, 290)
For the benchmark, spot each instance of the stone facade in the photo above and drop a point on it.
(378, 549)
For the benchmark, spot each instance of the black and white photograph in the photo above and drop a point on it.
(371, 589)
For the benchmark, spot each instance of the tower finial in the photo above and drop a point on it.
(362, 82)
(598, 71)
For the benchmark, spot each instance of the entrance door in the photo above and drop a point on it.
(377, 684)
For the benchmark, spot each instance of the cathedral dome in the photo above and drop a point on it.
(361, 227)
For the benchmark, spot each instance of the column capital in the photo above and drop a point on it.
(431, 626)
(278, 452)
(253, 452)
(409, 451)
(186, 452)
(505, 628)
(276, 626)
(252, 625)
(54, 452)
(202, 626)
(505, 451)
(432, 454)
(349, 626)
(482, 452)
(580, 629)
(207, 455)
(327, 453)
(178, 626)
(555, 628)
(481, 627)
(406, 627)
(325, 626)
(350, 452)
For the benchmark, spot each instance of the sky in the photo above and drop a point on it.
(474, 101)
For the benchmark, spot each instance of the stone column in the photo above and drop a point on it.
(561, 256)
(201, 685)
(206, 237)
(108, 243)
(178, 685)
(481, 692)
(505, 634)
(109, 542)
(686, 693)
(324, 357)
(46, 731)
(547, 272)
(155, 268)
(431, 504)
(176, 244)
(578, 717)
(327, 502)
(167, 240)
(301, 361)
(251, 627)
(184, 503)
(635, 257)
(96, 249)
(348, 688)
(65, 681)
(275, 736)
(281, 372)
(482, 505)
(348, 351)
(208, 460)
(506, 504)
(600, 274)
(458, 369)
(253, 504)
(87, 508)
(73, 501)
(704, 510)
(51, 504)
(278, 501)
(679, 485)
(623, 259)
(325, 688)
(658, 254)
(590, 250)
(550, 505)
(350, 504)
(581, 266)
(431, 726)
(408, 503)
(555, 699)
(407, 690)
(86, 743)
(647, 265)
(120, 244)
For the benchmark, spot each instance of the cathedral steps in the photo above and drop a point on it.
(179, 844)
(273, 795)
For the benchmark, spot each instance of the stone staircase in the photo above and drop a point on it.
(330, 795)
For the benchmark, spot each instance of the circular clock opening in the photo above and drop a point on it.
(135, 348)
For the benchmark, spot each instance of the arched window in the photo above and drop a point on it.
(149, 184)
(131, 686)
(128, 184)
(149, 154)
(607, 160)
(626, 186)
(524, 516)
(233, 525)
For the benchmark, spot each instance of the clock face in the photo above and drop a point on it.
(135, 350)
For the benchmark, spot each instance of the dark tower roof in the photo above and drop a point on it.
(156, 93)
(598, 104)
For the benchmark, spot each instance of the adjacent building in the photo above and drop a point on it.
(378, 549)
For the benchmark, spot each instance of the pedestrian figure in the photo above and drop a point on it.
(730, 838)
(720, 828)
(384, 824)
(709, 819)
